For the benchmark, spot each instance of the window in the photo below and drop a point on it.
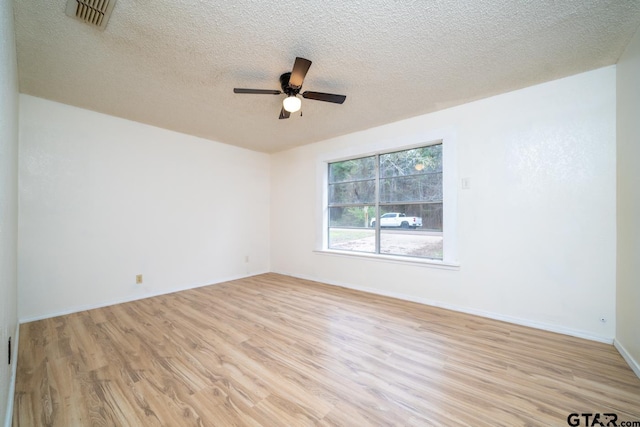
(388, 203)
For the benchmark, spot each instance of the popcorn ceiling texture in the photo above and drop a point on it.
(173, 64)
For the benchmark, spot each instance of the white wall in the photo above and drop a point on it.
(628, 152)
(8, 200)
(537, 233)
(103, 199)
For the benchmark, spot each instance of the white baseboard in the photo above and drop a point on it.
(467, 310)
(77, 309)
(633, 364)
(12, 383)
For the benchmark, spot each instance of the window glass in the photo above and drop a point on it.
(417, 233)
(357, 192)
(411, 175)
(390, 203)
(352, 170)
(349, 239)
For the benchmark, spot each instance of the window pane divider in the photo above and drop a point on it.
(349, 205)
(400, 202)
(377, 195)
(354, 180)
(408, 175)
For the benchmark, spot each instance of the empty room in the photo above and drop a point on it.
(314, 213)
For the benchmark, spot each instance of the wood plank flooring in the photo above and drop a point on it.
(272, 350)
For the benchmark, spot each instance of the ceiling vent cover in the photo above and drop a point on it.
(93, 12)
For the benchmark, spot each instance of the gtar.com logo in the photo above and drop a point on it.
(591, 419)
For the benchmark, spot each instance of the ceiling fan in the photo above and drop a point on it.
(291, 83)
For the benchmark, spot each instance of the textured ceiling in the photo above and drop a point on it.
(174, 63)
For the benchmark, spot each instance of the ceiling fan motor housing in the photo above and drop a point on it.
(284, 84)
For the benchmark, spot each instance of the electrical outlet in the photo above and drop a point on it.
(246, 258)
(138, 279)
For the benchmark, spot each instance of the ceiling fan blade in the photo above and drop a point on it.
(257, 91)
(328, 97)
(284, 114)
(300, 68)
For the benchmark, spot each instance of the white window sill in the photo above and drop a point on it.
(430, 263)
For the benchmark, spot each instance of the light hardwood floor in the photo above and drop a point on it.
(272, 350)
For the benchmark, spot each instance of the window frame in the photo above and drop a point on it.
(449, 199)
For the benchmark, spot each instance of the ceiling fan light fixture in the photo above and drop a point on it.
(292, 103)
